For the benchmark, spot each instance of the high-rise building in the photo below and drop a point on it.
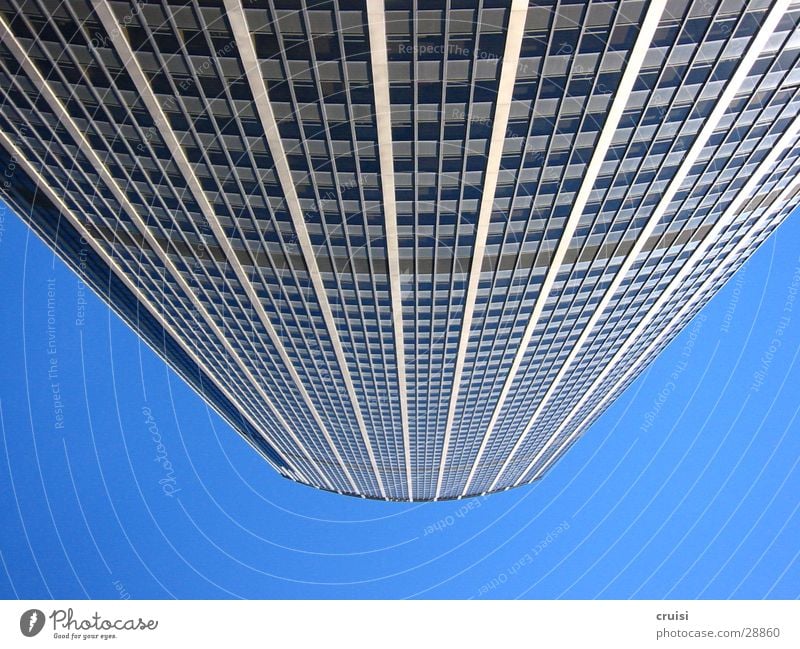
(409, 250)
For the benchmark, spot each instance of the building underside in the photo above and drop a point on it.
(409, 251)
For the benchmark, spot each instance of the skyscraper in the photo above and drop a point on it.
(408, 250)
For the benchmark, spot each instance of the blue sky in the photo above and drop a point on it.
(680, 491)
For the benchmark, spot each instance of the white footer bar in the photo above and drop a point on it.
(372, 624)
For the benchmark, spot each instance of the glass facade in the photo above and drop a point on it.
(408, 250)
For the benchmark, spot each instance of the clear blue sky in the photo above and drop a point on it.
(702, 502)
